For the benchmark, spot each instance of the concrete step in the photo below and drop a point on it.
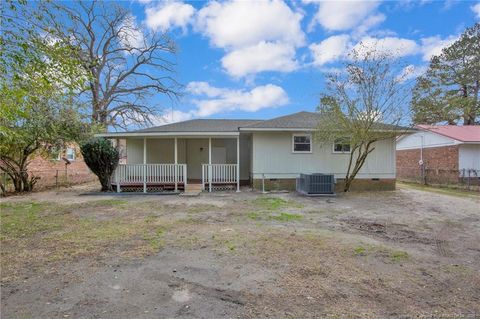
(193, 188)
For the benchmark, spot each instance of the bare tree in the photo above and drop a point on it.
(363, 105)
(125, 65)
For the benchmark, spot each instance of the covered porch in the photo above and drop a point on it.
(182, 162)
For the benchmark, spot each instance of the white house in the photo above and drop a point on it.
(220, 153)
(446, 152)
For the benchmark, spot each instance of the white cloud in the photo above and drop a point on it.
(330, 49)
(130, 33)
(211, 100)
(433, 45)
(264, 56)
(237, 24)
(172, 116)
(476, 9)
(397, 47)
(257, 36)
(369, 22)
(168, 15)
(336, 48)
(411, 72)
(345, 15)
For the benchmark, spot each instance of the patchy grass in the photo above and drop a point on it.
(399, 256)
(381, 251)
(360, 251)
(286, 217)
(199, 208)
(41, 233)
(440, 190)
(266, 215)
(254, 215)
(275, 203)
(267, 208)
(24, 220)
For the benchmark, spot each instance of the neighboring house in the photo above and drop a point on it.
(221, 153)
(67, 167)
(439, 154)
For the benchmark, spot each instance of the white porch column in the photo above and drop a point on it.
(209, 170)
(238, 163)
(144, 164)
(176, 168)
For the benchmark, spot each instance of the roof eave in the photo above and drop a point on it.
(164, 134)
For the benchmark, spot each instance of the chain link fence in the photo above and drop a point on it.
(464, 178)
(50, 178)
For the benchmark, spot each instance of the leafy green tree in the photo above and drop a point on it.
(102, 158)
(362, 105)
(38, 79)
(450, 89)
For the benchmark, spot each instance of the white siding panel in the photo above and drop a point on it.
(469, 156)
(273, 156)
(429, 140)
(134, 151)
(160, 151)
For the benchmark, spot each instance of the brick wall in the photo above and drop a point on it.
(441, 164)
(52, 171)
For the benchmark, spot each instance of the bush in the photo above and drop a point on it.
(102, 159)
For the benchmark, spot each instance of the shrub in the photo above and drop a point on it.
(102, 159)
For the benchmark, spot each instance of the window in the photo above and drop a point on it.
(302, 143)
(341, 146)
(70, 154)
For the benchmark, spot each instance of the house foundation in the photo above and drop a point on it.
(289, 184)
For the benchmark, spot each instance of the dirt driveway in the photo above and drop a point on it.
(398, 254)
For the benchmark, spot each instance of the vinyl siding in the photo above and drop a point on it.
(469, 156)
(429, 140)
(273, 156)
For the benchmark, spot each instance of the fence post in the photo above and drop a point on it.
(263, 183)
(66, 176)
(468, 180)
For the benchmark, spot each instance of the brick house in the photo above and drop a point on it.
(65, 169)
(439, 154)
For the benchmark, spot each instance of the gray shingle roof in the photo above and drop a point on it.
(300, 120)
(201, 125)
(305, 120)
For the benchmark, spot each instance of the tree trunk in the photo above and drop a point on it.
(363, 151)
(105, 181)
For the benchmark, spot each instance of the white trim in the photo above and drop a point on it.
(209, 164)
(160, 134)
(66, 154)
(293, 144)
(215, 134)
(248, 129)
(176, 162)
(337, 152)
(304, 129)
(144, 164)
(238, 164)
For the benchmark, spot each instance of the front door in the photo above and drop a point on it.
(197, 154)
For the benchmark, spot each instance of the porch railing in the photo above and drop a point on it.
(149, 173)
(219, 174)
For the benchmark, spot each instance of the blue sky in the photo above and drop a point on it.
(261, 59)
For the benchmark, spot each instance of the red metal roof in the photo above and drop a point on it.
(467, 133)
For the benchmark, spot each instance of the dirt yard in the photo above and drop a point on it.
(408, 253)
